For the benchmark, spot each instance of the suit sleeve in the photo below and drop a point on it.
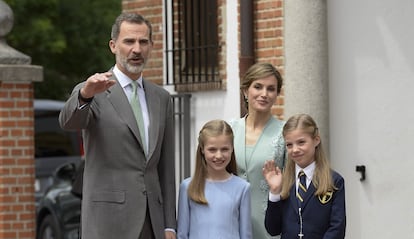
(71, 117)
(273, 218)
(337, 222)
(166, 168)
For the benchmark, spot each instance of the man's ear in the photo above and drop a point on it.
(112, 46)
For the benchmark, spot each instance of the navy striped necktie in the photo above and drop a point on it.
(301, 187)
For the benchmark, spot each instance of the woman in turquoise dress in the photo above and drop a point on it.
(258, 137)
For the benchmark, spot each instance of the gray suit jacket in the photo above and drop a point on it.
(118, 180)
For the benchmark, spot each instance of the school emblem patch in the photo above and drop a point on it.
(324, 199)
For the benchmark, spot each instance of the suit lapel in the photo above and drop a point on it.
(293, 199)
(309, 194)
(119, 100)
(153, 105)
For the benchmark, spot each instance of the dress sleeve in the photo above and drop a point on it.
(245, 226)
(183, 227)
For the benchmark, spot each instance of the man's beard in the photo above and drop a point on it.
(134, 69)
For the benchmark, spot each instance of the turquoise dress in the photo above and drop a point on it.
(250, 160)
(227, 215)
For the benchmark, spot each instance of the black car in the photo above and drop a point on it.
(58, 155)
(59, 209)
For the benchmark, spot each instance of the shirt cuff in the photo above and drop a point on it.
(170, 229)
(274, 197)
(81, 106)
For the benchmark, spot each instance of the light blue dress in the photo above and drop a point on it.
(227, 215)
(250, 160)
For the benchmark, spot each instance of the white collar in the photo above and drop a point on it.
(123, 79)
(309, 170)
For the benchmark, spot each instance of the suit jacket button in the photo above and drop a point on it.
(144, 192)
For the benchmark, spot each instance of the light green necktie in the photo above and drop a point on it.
(136, 107)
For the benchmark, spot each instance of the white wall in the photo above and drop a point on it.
(371, 116)
(371, 64)
(220, 104)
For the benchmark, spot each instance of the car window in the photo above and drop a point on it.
(51, 140)
(54, 147)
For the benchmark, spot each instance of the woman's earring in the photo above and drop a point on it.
(246, 99)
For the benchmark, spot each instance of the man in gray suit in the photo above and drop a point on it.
(129, 178)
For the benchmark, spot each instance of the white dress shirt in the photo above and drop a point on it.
(125, 82)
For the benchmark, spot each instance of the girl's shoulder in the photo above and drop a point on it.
(186, 182)
(336, 175)
(240, 181)
(337, 178)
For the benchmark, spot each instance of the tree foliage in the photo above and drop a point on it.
(69, 38)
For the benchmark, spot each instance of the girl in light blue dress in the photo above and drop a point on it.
(214, 203)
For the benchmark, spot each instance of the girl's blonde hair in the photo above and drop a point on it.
(212, 128)
(322, 177)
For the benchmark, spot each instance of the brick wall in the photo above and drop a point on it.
(222, 42)
(268, 33)
(153, 11)
(268, 25)
(17, 208)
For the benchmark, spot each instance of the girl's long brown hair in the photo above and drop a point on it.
(212, 128)
(322, 177)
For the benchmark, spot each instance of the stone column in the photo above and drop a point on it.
(17, 173)
(306, 66)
